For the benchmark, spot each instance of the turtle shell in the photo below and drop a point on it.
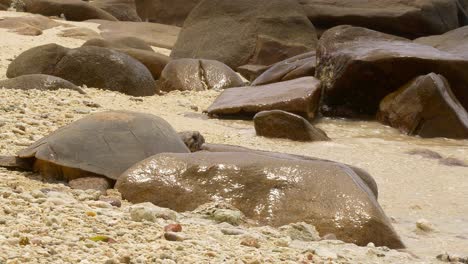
(107, 143)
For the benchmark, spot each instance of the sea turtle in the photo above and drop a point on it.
(101, 144)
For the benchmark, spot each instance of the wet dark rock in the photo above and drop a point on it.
(169, 12)
(92, 66)
(251, 71)
(209, 33)
(192, 139)
(358, 67)
(74, 10)
(38, 82)
(299, 96)
(364, 175)
(123, 10)
(296, 67)
(197, 75)
(426, 107)
(269, 50)
(281, 124)
(411, 18)
(268, 189)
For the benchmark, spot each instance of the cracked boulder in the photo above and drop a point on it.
(281, 124)
(92, 66)
(299, 96)
(296, 67)
(268, 188)
(425, 107)
(228, 31)
(197, 75)
(358, 67)
(38, 82)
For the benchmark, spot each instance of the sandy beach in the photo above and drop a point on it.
(411, 187)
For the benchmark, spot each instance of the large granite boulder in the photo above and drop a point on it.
(364, 175)
(92, 66)
(358, 67)
(29, 25)
(137, 49)
(270, 50)
(299, 96)
(281, 124)
(38, 82)
(228, 31)
(455, 41)
(75, 10)
(169, 12)
(266, 188)
(411, 18)
(426, 107)
(197, 75)
(157, 35)
(298, 66)
(123, 10)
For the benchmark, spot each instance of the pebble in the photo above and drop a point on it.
(173, 236)
(250, 241)
(425, 225)
(173, 228)
(150, 212)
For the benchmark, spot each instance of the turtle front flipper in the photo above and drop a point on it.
(16, 163)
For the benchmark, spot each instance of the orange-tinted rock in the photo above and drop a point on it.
(270, 190)
(300, 96)
(296, 67)
(426, 107)
(173, 228)
(358, 67)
